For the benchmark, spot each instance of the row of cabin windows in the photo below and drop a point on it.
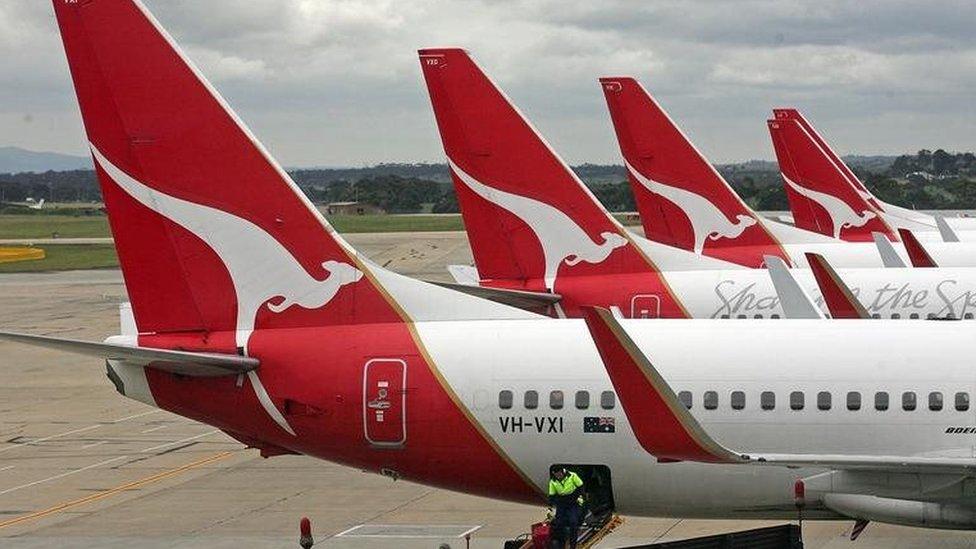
(530, 400)
(930, 316)
(797, 400)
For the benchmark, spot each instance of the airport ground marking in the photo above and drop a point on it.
(118, 489)
(141, 414)
(175, 442)
(44, 439)
(62, 475)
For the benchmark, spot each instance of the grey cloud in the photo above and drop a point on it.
(336, 82)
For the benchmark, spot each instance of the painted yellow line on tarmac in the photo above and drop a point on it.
(111, 492)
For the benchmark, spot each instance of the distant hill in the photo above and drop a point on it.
(16, 160)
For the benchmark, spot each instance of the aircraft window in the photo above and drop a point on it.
(875, 315)
(582, 400)
(935, 401)
(531, 400)
(895, 315)
(556, 400)
(774, 315)
(796, 400)
(881, 401)
(913, 316)
(685, 398)
(608, 400)
(505, 400)
(908, 401)
(711, 400)
(738, 400)
(962, 402)
(951, 316)
(853, 400)
(757, 316)
(741, 316)
(930, 316)
(725, 316)
(968, 316)
(823, 400)
(767, 400)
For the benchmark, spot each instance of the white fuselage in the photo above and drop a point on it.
(841, 253)
(887, 293)
(701, 355)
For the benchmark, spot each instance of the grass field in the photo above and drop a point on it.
(44, 226)
(62, 257)
(395, 223)
(67, 257)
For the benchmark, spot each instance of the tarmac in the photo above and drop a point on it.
(81, 466)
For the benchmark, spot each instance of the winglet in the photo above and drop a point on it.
(662, 425)
(948, 235)
(889, 257)
(841, 302)
(916, 252)
(796, 302)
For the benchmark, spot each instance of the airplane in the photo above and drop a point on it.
(827, 197)
(683, 201)
(254, 316)
(538, 235)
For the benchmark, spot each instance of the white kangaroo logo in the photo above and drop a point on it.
(707, 220)
(561, 238)
(260, 268)
(842, 216)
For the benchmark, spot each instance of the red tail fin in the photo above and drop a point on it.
(202, 216)
(527, 215)
(794, 114)
(841, 302)
(917, 253)
(821, 197)
(682, 200)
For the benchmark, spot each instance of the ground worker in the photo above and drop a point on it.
(566, 495)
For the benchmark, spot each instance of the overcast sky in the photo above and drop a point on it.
(337, 82)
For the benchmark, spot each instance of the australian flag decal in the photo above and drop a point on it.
(599, 425)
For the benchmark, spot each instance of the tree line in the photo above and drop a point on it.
(925, 180)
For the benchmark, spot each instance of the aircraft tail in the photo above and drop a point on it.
(683, 201)
(203, 217)
(527, 215)
(821, 197)
(842, 167)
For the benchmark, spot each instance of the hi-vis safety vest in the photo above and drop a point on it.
(567, 486)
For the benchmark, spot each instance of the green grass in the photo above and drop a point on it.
(395, 223)
(43, 226)
(69, 226)
(67, 257)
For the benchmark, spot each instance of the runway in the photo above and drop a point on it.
(81, 466)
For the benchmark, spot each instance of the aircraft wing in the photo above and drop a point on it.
(669, 432)
(530, 301)
(179, 362)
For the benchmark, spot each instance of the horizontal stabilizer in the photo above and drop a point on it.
(917, 253)
(947, 233)
(464, 274)
(793, 298)
(530, 301)
(841, 301)
(889, 257)
(668, 431)
(179, 362)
